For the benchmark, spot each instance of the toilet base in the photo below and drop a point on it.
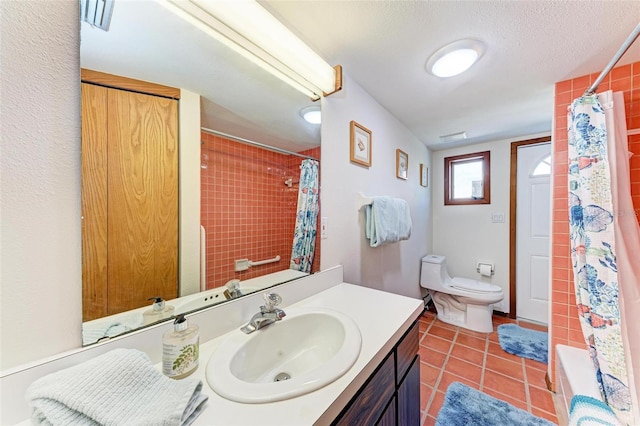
(458, 311)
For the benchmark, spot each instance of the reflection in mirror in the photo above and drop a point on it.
(249, 194)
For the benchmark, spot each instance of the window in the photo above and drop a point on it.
(543, 168)
(467, 179)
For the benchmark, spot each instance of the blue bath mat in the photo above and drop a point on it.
(523, 342)
(465, 406)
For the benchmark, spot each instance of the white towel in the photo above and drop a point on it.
(117, 388)
(387, 221)
(588, 411)
(95, 330)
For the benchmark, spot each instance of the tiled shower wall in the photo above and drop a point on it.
(565, 327)
(247, 209)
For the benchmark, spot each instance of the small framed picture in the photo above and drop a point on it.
(402, 164)
(360, 151)
(424, 175)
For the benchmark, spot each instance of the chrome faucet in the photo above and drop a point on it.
(232, 290)
(268, 314)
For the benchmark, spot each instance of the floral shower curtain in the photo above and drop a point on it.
(304, 236)
(593, 250)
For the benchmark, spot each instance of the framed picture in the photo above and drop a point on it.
(402, 164)
(424, 175)
(360, 151)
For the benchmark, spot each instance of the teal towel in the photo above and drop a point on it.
(387, 221)
(588, 411)
(120, 387)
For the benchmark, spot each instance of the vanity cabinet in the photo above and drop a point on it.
(129, 194)
(391, 396)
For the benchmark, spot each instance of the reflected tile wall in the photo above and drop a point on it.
(247, 209)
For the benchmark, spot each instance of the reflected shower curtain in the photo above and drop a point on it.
(592, 219)
(304, 236)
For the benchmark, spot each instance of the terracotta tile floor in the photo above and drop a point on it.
(449, 354)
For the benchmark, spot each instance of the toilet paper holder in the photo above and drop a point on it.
(482, 267)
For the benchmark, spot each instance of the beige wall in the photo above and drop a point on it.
(466, 234)
(393, 267)
(40, 263)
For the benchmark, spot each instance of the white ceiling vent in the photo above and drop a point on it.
(97, 13)
(453, 137)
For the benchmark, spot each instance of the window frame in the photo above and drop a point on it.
(449, 164)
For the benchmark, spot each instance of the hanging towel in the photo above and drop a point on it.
(117, 388)
(387, 221)
(586, 410)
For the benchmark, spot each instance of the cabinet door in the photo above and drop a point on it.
(409, 396)
(367, 407)
(94, 201)
(389, 416)
(142, 209)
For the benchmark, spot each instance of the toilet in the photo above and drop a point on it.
(459, 301)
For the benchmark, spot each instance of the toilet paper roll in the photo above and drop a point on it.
(485, 270)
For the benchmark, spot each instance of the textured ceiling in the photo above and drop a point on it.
(531, 45)
(383, 45)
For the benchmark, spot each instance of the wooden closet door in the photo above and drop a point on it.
(142, 216)
(94, 201)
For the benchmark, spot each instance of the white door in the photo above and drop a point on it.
(533, 225)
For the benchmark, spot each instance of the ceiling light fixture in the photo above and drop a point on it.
(455, 58)
(249, 29)
(311, 114)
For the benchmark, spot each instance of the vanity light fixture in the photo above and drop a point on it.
(455, 58)
(249, 29)
(311, 114)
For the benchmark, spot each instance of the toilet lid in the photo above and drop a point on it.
(474, 285)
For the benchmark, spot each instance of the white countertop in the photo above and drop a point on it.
(382, 319)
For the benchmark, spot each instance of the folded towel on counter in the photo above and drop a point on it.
(120, 387)
(588, 411)
(387, 221)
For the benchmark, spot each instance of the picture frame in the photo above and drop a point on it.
(424, 175)
(402, 164)
(360, 145)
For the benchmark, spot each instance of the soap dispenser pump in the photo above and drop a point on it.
(180, 349)
(159, 310)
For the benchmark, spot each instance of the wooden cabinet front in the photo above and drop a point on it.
(130, 199)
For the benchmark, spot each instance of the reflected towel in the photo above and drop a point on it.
(387, 221)
(92, 331)
(117, 388)
(588, 411)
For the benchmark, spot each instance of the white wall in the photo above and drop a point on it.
(466, 234)
(40, 240)
(190, 195)
(393, 267)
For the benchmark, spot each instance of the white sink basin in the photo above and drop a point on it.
(306, 350)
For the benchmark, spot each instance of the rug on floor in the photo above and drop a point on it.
(523, 342)
(465, 406)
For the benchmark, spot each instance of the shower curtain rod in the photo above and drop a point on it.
(625, 46)
(258, 144)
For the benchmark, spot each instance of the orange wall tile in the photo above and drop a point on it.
(247, 210)
(565, 326)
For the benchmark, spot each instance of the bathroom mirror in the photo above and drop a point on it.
(148, 42)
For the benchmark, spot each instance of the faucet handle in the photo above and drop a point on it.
(271, 300)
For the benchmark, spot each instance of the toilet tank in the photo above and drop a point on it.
(433, 271)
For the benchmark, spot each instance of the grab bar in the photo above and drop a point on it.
(262, 262)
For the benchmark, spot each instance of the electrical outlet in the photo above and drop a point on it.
(323, 227)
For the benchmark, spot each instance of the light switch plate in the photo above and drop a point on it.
(323, 227)
(497, 217)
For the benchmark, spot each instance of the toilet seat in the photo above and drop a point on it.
(473, 286)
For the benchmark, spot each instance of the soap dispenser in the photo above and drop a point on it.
(159, 310)
(180, 349)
